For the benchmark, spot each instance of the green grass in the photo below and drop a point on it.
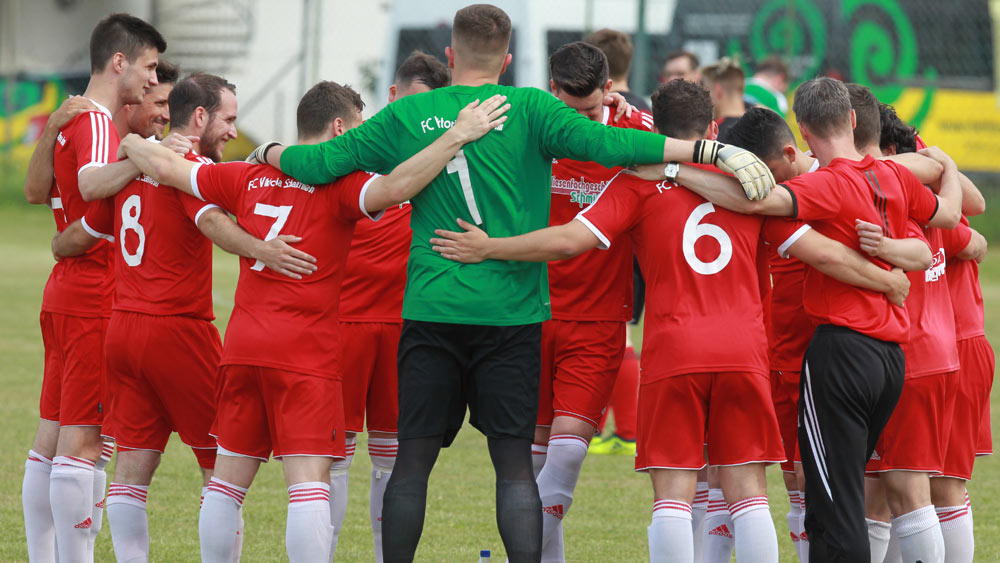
(610, 511)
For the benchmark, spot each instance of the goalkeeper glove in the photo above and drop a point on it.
(259, 154)
(751, 172)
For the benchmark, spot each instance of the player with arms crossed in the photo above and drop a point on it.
(63, 489)
(371, 300)
(691, 253)
(269, 401)
(471, 333)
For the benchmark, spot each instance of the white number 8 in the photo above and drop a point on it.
(694, 230)
(130, 221)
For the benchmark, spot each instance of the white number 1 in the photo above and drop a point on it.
(280, 215)
(460, 165)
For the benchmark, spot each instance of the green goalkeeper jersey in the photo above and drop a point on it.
(501, 182)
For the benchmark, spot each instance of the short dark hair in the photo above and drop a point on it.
(578, 69)
(617, 47)
(868, 126)
(121, 33)
(761, 131)
(323, 103)
(773, 64)
(167, 73)
(427, 69)
(727, 72)
(823, 105)
(196, 90)
(681, 109)
(484, 29)
(691, 57)
(895, 133)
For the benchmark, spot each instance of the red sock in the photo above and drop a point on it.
(625, 395)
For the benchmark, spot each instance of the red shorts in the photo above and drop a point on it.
(785, 396)
(73, 385)
(972, 403)
(730, 412)
(368, 364)
(263, 409)
(580, 362)
(916, 436)
(163, 371)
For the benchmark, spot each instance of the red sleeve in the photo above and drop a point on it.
(782, 232)
(814, 196)
(957, 239)
(920, 143)
(222, 184)
(349, 193)
(95, 140)
(99, 220)
(193, 207)
(923, 203)
(615, 210)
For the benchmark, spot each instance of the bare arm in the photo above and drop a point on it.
(74, 240)
(727, 192)
(276, 254)
(949, 191)
(843, 264)
(108, 180)
(161, 163)
(38, 181)
(910, 254)
(975, 250)
(926, 169)
(973, 202)
(552, 243)
(410, 177)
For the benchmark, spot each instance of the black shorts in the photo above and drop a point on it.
(494, 370)
(638, 292)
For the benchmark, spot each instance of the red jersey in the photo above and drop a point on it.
(931, 348)
(830, 199)
(596, 285)
(81, 285)
(279, 322)
(375, 274)
(963, 282)
(164, 263)
(700, 265)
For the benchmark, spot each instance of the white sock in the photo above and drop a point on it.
(968, 503)
(556, 482)
(756, 540)
(803, 545)
(339, 472)
(129, 525)
(956, 528)
(238, 543)
(538, 454)
(669, 533)
(878, 538)
(219, 521)
(794, 519)
(892, 554)
(308, 533)
(71, 496)
(920, 536)
(38, 525)
(717, 541)
(382, 452)
(698, 509)
(100, 487)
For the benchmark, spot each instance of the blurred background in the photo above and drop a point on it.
(934, 60)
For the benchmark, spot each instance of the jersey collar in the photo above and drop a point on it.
(607, 114)
(103, 109)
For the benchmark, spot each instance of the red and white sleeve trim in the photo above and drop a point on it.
(783, 248)
(93, 232)
(100, 131)
(197, 216)
(194, 181)
(361, 199)
(605, 243)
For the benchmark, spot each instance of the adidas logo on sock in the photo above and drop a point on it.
(795, 536)
(85, 524)
(723, 531)
(555, 510)
(803, 536)
(100, 504)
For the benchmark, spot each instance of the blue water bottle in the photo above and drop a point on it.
(484, 556)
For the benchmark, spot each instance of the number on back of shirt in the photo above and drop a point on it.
(131, 210)
(280, 216)
(461, 166)
(694, 229)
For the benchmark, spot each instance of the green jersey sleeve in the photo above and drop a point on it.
(369, 146)
(564, 133)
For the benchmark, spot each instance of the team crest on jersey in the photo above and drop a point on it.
(580, 191)
(61, 139)
(936, 270)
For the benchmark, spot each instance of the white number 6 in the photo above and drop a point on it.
(694, 230)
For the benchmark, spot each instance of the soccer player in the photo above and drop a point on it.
(724, 79)
(268, 399)
(693, 377)
(617, 47)
(371, 301)
(857, 328)
(62, 486)
(591, 299)
(153, 114)
(681, 64)
(471, 334)
(768, 85)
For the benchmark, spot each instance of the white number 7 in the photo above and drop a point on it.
(460, 165)
(280, 215)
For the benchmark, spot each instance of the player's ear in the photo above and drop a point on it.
(337, 127)
(552, 86)
(118, 61)
(449, 54)
(854, 119)
(607, 87)
(393, 92)
(712, 133)
(199, 117)
(789, 152)
(506, 62)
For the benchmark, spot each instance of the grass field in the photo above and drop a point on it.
(610, 510)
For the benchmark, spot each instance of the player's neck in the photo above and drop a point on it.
(873, 150)
(827, 149)
(730, 107)
(803, 163)
(619, 85)
(103, 89)
(472, 77)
